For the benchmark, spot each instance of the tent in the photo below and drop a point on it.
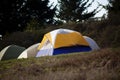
(11, 52)
(29, 52)
(92, 43)
(62, 41)
(0, 37)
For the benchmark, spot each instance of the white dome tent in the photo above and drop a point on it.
(30, 51)
(92, 43)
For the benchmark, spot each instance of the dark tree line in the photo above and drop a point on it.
(75, 10)
(113, 7)
(15, 14)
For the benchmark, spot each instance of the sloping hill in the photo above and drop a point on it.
(99, 65)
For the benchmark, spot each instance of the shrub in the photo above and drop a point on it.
(24, 39)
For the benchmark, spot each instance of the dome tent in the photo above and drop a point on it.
(62, 41)
(92, 43)
(11, 52)
(29, 52)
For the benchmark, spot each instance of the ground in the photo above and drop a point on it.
(97, 65)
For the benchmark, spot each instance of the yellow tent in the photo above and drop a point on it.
(62, 41)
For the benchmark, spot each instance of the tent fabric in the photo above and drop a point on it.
(92, 43)
(71, 49)
(11, 52)
(62, 41)
(63, 37)
(46, 50)
(30, 51)
(0, 37)
(3, 51)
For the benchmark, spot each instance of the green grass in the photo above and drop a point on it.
(97, 65)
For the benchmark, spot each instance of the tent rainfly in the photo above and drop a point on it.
(62, 41)
(11, 52)
(92, 43)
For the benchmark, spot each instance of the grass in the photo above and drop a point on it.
(97, 65)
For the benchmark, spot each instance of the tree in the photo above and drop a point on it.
(8, 19)
(113, 8)
(75, 10)
(16, 14)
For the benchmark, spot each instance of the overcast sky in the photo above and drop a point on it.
(94, 5)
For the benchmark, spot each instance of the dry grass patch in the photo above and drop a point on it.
(98, 65)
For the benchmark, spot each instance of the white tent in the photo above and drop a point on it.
(30, 51)
(92, 43)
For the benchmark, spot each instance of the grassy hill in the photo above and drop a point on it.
(97, 65)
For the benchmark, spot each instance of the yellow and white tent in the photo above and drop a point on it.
(62, 41)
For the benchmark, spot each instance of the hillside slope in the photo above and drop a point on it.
(98, 65)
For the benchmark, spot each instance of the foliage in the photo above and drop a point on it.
(15, 14)
(99, 31)
(113, 6)
(33, 25)
(75, 10)
(24, 39)
(110, 36)
(114, 11)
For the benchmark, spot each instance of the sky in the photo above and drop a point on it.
(94, 5)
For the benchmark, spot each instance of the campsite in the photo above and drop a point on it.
(67, 41)
(38, 61)
(53, 43)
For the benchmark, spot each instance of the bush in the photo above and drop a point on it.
(105, 34)
(110, 37)
(24, 39)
